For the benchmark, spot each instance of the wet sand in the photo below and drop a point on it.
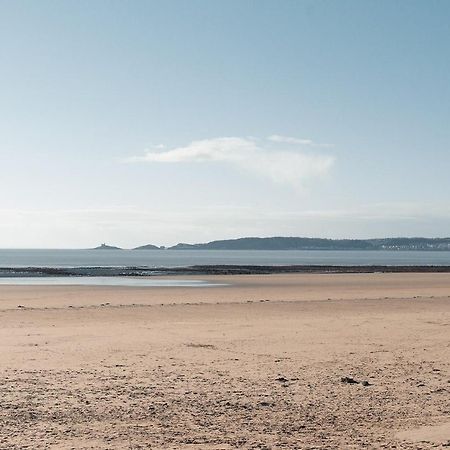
(258, 363)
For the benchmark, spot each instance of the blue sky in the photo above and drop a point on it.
(167, 121)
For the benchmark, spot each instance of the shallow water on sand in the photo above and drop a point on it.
(104, 281)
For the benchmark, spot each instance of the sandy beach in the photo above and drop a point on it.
(286, 361)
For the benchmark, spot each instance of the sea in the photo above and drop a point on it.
(185, 258)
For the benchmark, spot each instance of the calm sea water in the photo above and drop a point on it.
(181, 258)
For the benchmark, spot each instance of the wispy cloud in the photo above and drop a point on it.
(293, 166)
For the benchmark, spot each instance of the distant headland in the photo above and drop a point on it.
(304, 243)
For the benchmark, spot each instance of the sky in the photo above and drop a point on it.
(188, 121)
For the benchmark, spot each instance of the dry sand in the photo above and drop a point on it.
(254, 365)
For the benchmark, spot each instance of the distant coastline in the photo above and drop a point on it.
(304, 243)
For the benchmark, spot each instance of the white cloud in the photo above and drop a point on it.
(289, 140)
(296, 141)
(294, 166)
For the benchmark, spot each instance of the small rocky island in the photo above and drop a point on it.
(106, 247)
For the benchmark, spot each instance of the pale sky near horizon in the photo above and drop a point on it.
(166, 121)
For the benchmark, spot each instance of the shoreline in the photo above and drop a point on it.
(221, 269)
